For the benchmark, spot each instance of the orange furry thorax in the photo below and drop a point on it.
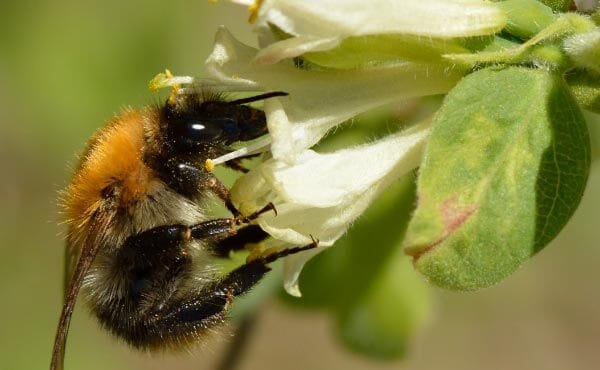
(114, 156)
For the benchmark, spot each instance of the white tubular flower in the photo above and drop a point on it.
(323, 193)
(319, 100)
(318, 25)
(320, 194)
(315, 194)
(584, 49)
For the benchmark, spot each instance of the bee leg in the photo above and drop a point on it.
(246, 235)
(149, 267)
(158, 246)
(207, 307)
(210, 305)
(221, 191)
(153, 309)
(191, 181)
(188, 179)
(236, 163)
(156, 255)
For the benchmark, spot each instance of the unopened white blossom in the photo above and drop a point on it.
(317, 25)
(584, 49)
(319, 100)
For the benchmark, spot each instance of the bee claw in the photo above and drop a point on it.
(238, 220)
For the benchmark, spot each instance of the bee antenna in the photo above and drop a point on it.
(258, 97)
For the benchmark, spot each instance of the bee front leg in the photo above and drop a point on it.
(220, 190)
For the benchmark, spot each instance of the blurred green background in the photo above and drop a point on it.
(67, 66)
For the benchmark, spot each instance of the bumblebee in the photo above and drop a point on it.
(139, 243)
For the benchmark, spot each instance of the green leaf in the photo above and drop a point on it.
(505, 168)
(383, 322)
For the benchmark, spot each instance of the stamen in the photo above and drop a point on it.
(166, 79)
(259, 146)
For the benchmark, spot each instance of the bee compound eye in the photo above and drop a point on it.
(192, 133)
(199, 131)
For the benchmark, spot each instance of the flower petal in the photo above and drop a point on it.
(313, 19)
(320, 100)
(321, 194)
(294, 46)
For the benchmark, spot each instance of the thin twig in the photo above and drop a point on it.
(235, 350)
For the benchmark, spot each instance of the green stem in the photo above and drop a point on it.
(235, 350)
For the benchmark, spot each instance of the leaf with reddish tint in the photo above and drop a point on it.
(504, 169)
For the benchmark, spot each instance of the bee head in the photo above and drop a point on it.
(200, 120)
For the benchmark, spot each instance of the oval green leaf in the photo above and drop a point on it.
(505, 168)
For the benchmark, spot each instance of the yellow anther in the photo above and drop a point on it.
(253, 11)
(209, 165)
(158, 82)
(161, 80)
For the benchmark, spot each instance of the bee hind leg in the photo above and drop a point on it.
(197, 311)
(156, 309)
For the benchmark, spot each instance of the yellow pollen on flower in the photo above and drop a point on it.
(253, 11)
(158, 82)
(174, 90)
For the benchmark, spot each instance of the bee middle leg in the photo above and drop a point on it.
(191, 180)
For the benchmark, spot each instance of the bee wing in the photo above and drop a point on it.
(72, 254)
(73, 280)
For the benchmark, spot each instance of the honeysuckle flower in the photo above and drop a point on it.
(317, 25)
(320, 194)
(319, 100)
(584, 49)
